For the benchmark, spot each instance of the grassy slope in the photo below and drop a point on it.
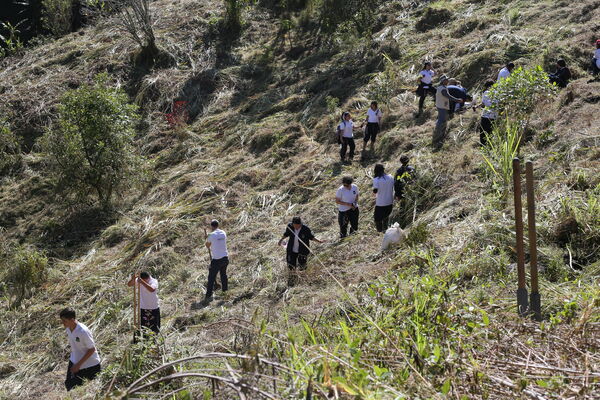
(259, 152)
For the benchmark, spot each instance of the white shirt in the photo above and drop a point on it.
(373, 116)
(385, 190)
(347, 196)
(347, 128)
(597, 57)
(218, 247)
(148, 299)
(296, 247)
(81, 341)
(427, 76)
(504, 73)
(487, 102)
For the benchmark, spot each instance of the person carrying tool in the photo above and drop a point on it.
(297, 248)
(84, 361)
(404, 174)
(216, 243)
(346, 198)
(149, 304)
(373, 121)
(425, 87)
(383, 188)
(442, 102)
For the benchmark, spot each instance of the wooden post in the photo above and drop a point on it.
(137, 320)
(522, 300)
(534, 297)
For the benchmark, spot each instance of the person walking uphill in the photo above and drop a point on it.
(84, 362)
(345, 132)
(297, 249)
(373, 121)
(425, 85)
(488, 116)
(216, 242)
(149, 307)
(383, 188)
(442, 102)
(346, 198)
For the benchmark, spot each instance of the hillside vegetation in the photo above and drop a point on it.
(433, 318)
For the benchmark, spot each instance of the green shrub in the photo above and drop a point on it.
(420, 195)
(56, 16)
(10, 153)
(26, 269)
(10, 43)
(352, 16)
(91, 146)
(523, 92)
(233, 14)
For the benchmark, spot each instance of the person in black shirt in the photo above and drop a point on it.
(297, 248)
(562, 75)
(404, 174)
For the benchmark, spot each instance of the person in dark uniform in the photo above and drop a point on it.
(297, 249)
(403, 175)
(562, 75)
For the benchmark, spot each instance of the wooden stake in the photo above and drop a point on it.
(534, 297)
(522, 300)
(137, 320)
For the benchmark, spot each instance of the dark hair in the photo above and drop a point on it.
(296, 220)
(344, 115)
(488, 84)
(426, 64)
(144, 275)
(214, 223)
(374, 103)
(67, 313)
(378, 171)
(469, 97)
(562, 63)
(404, 159)
(347, 180)
(510, 65)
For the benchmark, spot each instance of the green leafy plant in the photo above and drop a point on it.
(11, 42)
(56, 16)
(384, 85)
(520, 94)
(234, 9)
(92, 146)
(333, 104)
(499, 151)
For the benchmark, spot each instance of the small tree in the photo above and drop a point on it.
(520, 94)
(26, 269)
(56, 16)
(92, 145)
(136, 20)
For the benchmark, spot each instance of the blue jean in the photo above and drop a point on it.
(440, 128)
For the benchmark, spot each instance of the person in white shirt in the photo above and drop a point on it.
(488, 116)
(84, 362)
(425, 85)
(346, 198)
(345, 133)
(596, 59)
(149, 304)
(506, 71)
(383, 188)
(373, 121)
(217, 244)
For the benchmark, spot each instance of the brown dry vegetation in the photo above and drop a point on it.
(259, 150)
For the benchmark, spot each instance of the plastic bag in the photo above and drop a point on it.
(393, 236)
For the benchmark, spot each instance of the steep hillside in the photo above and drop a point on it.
(434, 318)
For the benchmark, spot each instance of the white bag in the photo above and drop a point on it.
(393, 235)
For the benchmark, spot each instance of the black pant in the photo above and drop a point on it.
(595, 68)
(345, 217)
(485, 129)
(150, 319)
(558, 80)
(423, 92)
(296, 261)
(381, 216)
(73, 380)
(347, 142)
(372, 131)
(216, 267)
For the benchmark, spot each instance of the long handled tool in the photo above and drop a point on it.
(534, 297)
(522, 300)
(137, 312)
